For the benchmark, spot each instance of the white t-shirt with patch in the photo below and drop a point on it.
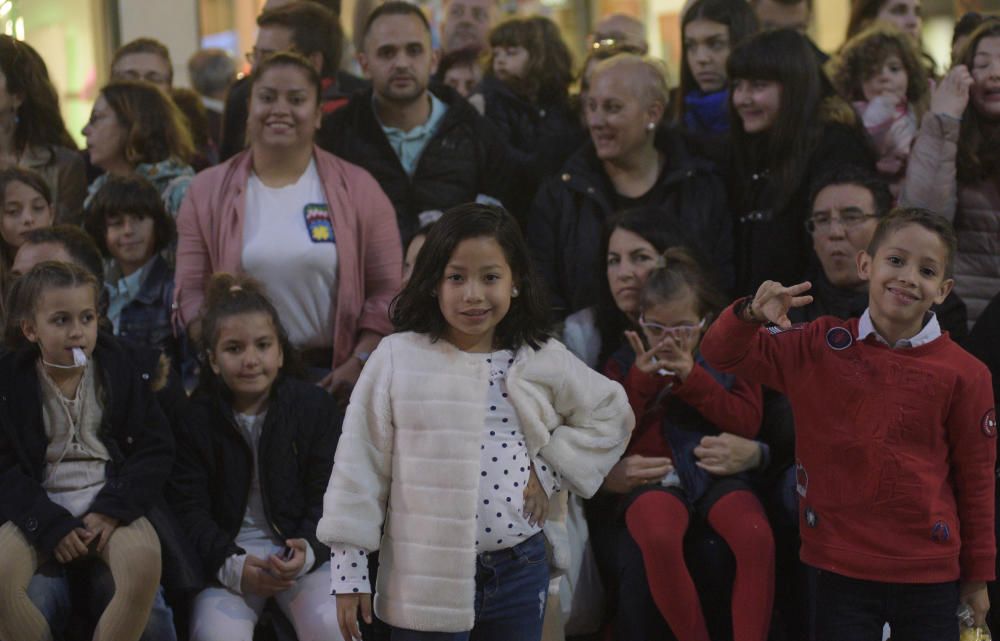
(289, 246)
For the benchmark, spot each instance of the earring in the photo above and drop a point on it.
(650, 126)
(514, 292)
(434, 294)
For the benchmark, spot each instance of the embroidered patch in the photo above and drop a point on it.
(989, 423)
(801, 480)
(812, 520)
(318, 223)
(839, 338)
(940, 533)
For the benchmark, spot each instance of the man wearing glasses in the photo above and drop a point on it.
(846, 206)
(144, 59)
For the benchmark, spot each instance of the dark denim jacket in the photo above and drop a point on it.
(146, 319)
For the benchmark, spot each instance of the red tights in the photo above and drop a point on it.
(658, 521)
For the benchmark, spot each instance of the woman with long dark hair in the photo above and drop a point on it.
(955, 162)
(32, 132)
(710, 30)
(788, 128)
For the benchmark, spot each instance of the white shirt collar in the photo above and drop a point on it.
(930, 331)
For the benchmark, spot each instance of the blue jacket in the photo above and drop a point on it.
(146, 319)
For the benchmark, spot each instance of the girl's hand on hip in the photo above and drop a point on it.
(258, 578)
(72, 546)
(288, 569)
(347, 614)
(536, 501)
(633, 471)
(101, 527)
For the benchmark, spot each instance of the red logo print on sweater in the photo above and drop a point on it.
(989, 423)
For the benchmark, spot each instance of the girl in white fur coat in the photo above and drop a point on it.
(451, 419)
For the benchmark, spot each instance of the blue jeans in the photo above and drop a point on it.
(49, 591)
(512, 587)
(856, 610)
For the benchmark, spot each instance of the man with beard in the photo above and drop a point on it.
(429, 150)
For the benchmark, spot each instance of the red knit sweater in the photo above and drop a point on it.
(737, 410)
(895, 448)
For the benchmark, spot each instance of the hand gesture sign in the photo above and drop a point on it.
(773, 300)
(951, 96)
(672, 349)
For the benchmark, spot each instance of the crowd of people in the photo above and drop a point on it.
(451, 351)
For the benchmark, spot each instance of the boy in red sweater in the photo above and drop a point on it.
(895, 428)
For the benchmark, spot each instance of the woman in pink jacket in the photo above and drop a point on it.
(317, 231)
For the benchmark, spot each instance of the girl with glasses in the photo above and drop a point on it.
(678, 399)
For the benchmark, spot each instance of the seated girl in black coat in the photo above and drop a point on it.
(255, 456)
(84, 452)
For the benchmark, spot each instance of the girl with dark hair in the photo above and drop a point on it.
(130, 226)
(84, 454)
(955, 161)
(254, 458)
(526, 92)
(32, 132)
(710, 29)
(677, 399)
(471, 393)
(787, 129)
(135, 128)
(880, 73)
(318, 232)
(27, 204)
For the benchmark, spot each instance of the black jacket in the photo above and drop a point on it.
(133, 429)
(464, 158)
(541, 137)
(210, 485)
(567, 220)
(771, 242)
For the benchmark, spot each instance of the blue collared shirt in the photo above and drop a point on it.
(408, 145)
(930, 331)
(123, 291)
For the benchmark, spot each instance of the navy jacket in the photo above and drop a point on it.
(133, 429)
(464, 158)
(210, 486)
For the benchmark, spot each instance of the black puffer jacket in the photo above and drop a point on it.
(541, 137)
(464, 158)
(567, 220)
(772, 243)
(210, 486)
(133, 430)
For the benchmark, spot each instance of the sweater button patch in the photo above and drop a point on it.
(989, 423)
(812, 520)
(839, 338)
(940, 533)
